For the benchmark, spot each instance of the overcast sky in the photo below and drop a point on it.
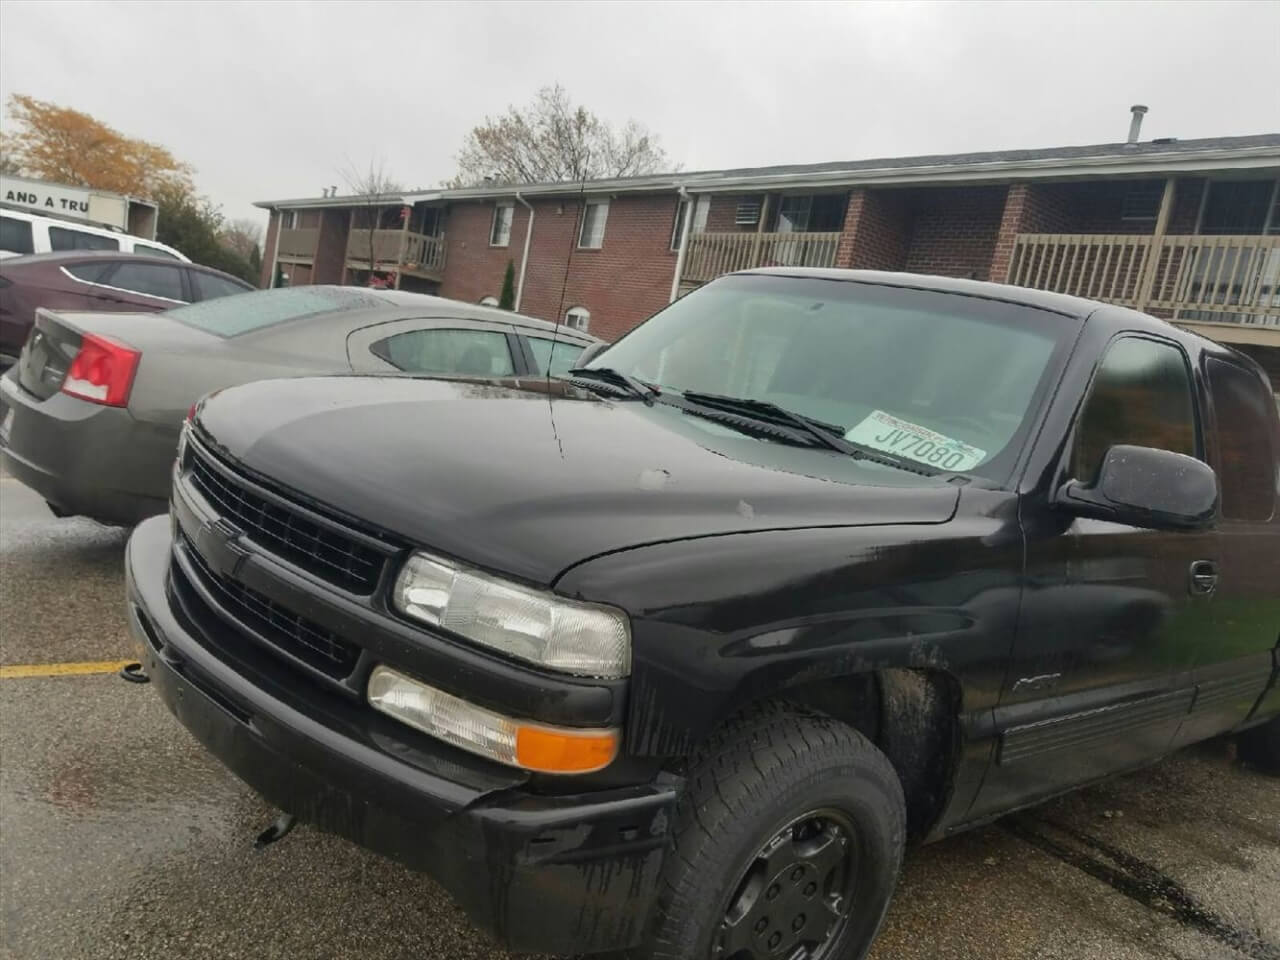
(269, 99)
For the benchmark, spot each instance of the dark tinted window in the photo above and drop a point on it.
(561, 359)
(1141, 395)
(475, 352)
(1246, 441)
(150, 278)
(91, 272)
(149, 251)
(15, 235)
(64, 238)
(229, 317)
(210, 286)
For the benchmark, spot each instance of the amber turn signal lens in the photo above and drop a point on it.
(561, 751)
(471, 727)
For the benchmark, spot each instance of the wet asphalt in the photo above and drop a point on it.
(119, 837)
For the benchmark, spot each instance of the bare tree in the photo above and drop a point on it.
(552, 141)
(241, 237)
(377, 192)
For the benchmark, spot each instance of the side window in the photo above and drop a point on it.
(593, 220)
(500, 231)
(151, 279)
(1246, 441)
(92, 271)
(148, 251)
(15, 235)
(210, 287)
(560, 355)
(1141, 395)
(64, 238)
(482, 353)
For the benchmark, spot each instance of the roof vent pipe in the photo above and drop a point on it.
(1135, 124)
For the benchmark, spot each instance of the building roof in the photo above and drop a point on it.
(1152, 157)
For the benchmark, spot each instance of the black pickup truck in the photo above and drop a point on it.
(675, 653)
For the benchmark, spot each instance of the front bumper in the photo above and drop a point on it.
(84, 458)
(553, 874)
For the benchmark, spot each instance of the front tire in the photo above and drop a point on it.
(788, 843)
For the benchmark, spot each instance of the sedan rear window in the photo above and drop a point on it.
(210, 286)
(94, 271)
(148, 251)
(559, 355)
(232, 316)
(483, 353)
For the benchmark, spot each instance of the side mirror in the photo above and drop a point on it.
(1145, 487)
(593, 350)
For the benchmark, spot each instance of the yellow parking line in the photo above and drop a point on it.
(61, 669)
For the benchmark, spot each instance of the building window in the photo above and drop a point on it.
(500, 234)
(288, 219)
(488, 301)
(701, 207)
(748, 212)
(1237, 207)
(1142, 203)
(577, 318)
(820, 213)
(593, 219)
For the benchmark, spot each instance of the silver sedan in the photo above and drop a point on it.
(91, 412)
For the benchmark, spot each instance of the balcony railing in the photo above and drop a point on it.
(713, 254)
(396, 249)
(299, 243)
(1224, 279)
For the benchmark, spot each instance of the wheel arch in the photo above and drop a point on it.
(912, 714)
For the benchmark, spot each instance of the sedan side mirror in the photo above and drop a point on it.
(1145, 487)
(593, 350)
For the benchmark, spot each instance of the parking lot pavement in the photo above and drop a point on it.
(119, 837)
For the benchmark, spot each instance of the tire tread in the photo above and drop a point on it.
(731, 775)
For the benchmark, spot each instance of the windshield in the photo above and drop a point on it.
(230, 316)
(942, 379)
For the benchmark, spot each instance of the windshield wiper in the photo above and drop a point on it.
(826, 434)
(616, 378)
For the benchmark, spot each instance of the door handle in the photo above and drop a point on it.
(1204, 578)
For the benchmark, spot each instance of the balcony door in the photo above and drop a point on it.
(1220, 276)
(821, 213)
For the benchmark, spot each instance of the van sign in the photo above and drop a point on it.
(83, 203)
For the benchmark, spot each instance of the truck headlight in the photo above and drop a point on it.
(517, 743)
(582, 639)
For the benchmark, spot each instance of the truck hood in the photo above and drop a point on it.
(530, 479)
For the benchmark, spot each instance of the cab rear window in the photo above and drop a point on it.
(232, 316)
(1241, 406)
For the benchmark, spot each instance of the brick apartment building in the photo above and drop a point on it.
(1188, 229)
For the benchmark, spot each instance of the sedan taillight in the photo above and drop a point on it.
(102, 371)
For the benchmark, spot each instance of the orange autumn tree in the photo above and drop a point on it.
(53, 142)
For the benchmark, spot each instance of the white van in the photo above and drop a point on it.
(23, 233)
